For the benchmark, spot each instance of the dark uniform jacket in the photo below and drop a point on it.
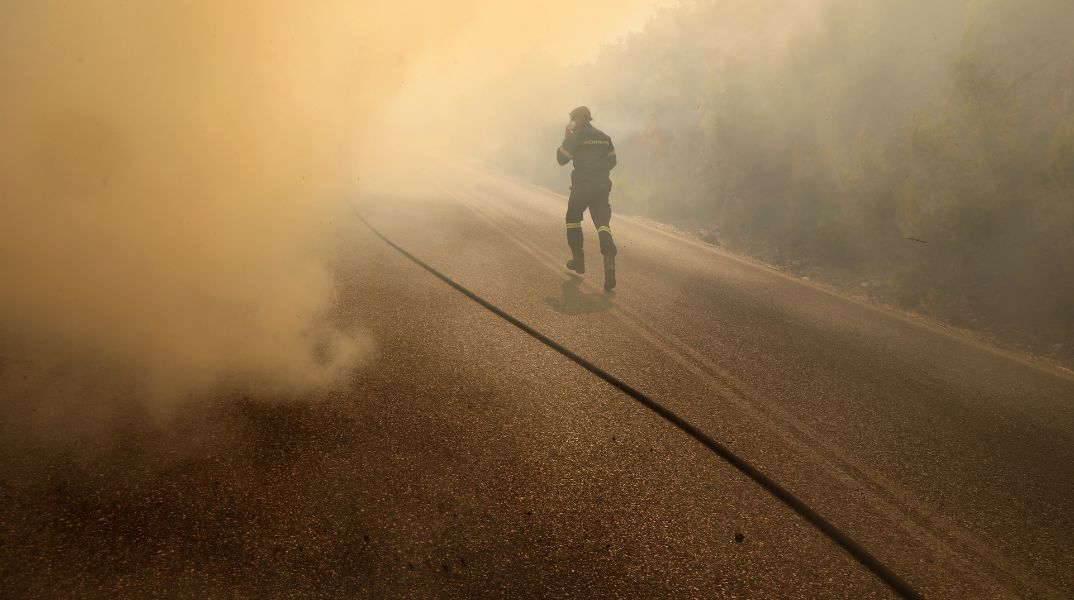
(593, 155)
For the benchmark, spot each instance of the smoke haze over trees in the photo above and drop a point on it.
(168, 173)
(831, 132)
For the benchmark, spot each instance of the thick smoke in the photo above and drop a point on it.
(167, 171)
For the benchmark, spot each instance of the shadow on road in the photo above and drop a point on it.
(573, 301)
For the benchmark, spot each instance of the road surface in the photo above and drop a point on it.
(464, 458)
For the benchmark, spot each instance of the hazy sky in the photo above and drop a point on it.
(500, 36)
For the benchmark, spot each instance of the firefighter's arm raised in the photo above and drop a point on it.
(566, 150)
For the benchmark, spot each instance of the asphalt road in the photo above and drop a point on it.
(464, 458)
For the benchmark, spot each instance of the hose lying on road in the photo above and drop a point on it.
(852, 547)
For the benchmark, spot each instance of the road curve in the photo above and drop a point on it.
(463, 458)
(951, 460)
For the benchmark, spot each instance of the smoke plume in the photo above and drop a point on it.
(166, 174)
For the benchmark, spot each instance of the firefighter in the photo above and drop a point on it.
(593, 155)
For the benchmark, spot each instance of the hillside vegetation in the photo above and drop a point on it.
(924, 148)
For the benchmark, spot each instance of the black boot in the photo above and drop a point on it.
(609, 272)
(577, 263)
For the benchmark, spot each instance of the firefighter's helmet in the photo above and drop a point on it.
(581, 114)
